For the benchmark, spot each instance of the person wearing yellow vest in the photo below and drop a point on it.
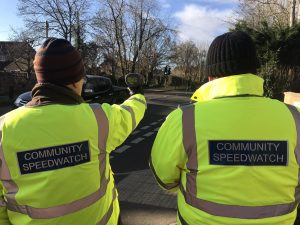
(54, 151)
(233, 156)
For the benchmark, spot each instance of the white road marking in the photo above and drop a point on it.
(156, 129)
(135, 141)
(122, 149)
(154, 123)
(145, 127)
(148, 134)
(136, 132)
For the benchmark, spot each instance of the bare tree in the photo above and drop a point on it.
(201, 59)
(190, 60)
(22, 51)
(62, 16)
(109, 25)
(274, 12)
(155, 54)
(292, 12)
(278, 13)
(298, 16)
(91, 57)
(127, 29)
(146, 27)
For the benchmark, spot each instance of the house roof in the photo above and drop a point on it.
(10, 50)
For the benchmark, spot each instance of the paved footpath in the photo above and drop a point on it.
(143, 202)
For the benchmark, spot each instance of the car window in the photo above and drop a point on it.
(102, 85)
(97, 85)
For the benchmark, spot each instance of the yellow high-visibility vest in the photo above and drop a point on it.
(55, 162)
(232, 156)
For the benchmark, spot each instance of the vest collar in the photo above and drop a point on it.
(46, 94)
(236, 85)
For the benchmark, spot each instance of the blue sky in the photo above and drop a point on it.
(197, 20)
(8, 18)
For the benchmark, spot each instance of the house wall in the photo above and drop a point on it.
(14, 83)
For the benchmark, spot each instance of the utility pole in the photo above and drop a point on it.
(47, 29)
(291, 72)
(298, 17)
(78, 32)
(292, 12)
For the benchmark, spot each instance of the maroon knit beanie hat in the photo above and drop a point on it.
(58, 62)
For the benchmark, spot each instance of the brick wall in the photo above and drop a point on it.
(14, 83)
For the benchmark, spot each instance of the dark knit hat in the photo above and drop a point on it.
(232, 53)
(58, 62)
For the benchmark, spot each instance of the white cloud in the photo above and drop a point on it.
(202, 24)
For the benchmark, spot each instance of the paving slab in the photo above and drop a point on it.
(136, 214)
(143, 202)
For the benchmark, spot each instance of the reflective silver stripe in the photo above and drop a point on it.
(4, 172)
(167, 186)
(139, 100)
(103, 126)
(296, 115)
(232, 211)
(190, 146)
(61, 210)
(129, 109)
(5, 176)
(108, 214)
(242, 212)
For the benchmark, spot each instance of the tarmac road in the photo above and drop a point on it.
(142, 201)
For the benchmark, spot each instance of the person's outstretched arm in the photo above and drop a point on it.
(168, 156)
(123, 119)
